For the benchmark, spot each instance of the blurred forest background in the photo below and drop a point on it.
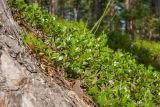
(137, 18)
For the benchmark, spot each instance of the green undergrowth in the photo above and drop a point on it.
(112, 79)
(117, 40)
(147, 52)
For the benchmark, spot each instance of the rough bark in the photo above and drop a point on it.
(22, 84)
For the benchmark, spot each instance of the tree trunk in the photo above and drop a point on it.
(53, 6)
(129, 5)
(156, 10)
(22, 84)
(156, 7)
(96, 10)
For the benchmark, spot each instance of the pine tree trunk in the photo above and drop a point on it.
(156, 10)
(96, 10)
(53, 6)
(156, 7)
(129, 5)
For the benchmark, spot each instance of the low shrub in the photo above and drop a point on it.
(117, 40)
(147, 52)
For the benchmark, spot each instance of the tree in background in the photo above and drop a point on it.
(53, 6)
(156, 7)
(96, 9)
(129, 6)
(156, 10)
